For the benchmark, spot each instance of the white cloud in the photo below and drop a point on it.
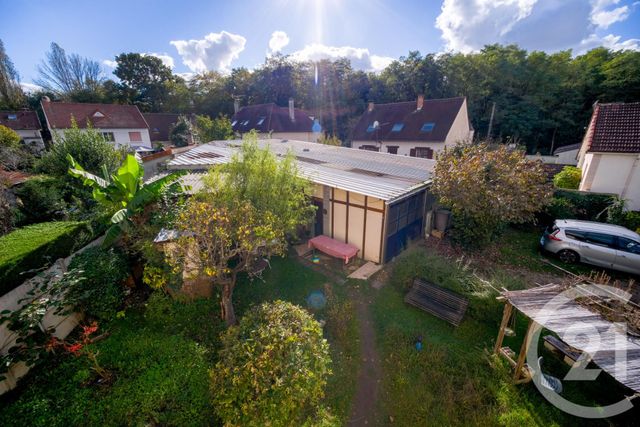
(360, 58)
(550, 25)
(165, 58)
(609, 41)
(109, 63)
(215, 51)
(30, 87)
(279, 39)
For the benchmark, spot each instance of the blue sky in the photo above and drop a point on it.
(197, 35)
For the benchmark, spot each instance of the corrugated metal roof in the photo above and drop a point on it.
(382, 175)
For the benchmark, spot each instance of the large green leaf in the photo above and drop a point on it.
(89, 179)
(152, 191)
(121, 215)
(129, 176)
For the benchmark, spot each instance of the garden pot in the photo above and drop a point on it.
(442, 219)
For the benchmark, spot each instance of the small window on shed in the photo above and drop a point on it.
(427, 127)
(397, 127)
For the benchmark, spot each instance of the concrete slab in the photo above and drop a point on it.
(366, 271)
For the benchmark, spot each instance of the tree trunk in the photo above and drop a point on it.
(226, 304)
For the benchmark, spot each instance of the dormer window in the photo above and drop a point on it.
(260, 121)
(233, 123)
(98, 114)
(371, 128)
(12, 117)
(397, 127)
(427, 127)
(245, 123)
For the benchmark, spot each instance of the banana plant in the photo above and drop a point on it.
(123, 193)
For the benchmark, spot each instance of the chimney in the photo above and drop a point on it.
(291, 114)
(370, 107)
(236, 105)
(46, 99)
(420, 102)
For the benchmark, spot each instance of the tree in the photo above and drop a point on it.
(488, 186)
(87, 146)
(144, 80)
(70, 77)
(569, 177)
(273, 367)
(11, 94)
(13, 156)
(123, 194)
(213, 130)
(182, 132)
(243, 215)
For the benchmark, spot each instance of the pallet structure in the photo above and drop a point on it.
(436, 300)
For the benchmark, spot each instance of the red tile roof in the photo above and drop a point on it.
(616, 128)
(276, 119)
(24, 120)
(101, 116)
(440, 112)
(160, 125)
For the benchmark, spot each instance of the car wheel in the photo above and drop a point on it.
(568, 257)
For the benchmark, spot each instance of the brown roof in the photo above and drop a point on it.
(20, 120)
(270, 117)
(440, 112)
(160, 125)
(616, 128)
(102, 116)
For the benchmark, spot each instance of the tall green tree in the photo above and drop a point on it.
(144, 80)
(11, 94)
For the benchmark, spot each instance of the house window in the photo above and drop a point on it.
(427, 127)
(260, 121)
(108, 136)
(371, 128)
(423, 152)
(135, 136)
(98, 114)
(233, 123)
(12, 117)
(369, 148)
(392, 149)
(397, 127)
(245, 123)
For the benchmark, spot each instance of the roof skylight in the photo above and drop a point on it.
(397, 127)
(427, 127)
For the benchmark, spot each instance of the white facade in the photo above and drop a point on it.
(128, 137)
(563, 158)
(294, 136)
(32, 138)
(616, 173)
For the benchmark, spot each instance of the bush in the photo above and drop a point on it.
(568, 178)
(41, 200)
(25, 250)
(571, 204)
(273, 367)
(100, 294)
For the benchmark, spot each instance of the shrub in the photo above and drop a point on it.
(41, 200)
(9, 138)
(100, 294)
(27, 249)
(273, 367)
(568, 178)
(571, 204)
(181, 132)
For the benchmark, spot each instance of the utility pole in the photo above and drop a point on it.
(493, 111)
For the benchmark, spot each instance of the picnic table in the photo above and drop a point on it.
(333, 247)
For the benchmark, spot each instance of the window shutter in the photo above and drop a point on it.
(412, 152)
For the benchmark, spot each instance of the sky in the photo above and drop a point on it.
(192, 36)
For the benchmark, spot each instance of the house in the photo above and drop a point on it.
(374, 201)
(565, 155)
(160, 126)
(26, 124)
(610, 152)
(123, 125)
(272, 121)
(416, 129)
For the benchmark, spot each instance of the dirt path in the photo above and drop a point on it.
(363, 407)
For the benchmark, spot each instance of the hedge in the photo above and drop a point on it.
(28, 249)
(573, 204)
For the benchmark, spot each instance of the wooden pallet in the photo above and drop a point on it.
(441, 302)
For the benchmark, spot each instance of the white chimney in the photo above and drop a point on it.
(291, 113)
(420, 102)
(236, 105)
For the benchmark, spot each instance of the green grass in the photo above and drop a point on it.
(455, 380)
(161, 353)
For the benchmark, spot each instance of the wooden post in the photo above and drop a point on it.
(523, 351)
(506, 315)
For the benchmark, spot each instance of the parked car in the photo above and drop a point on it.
(604, 245)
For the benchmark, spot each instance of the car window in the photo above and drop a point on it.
(600, 239)
(628, 245)
(575, 234)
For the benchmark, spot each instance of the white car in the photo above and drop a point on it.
(604, 245)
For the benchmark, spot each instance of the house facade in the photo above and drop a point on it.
(26, 124)
(565, 155)
(160, 126)
(610, 152)
(415, 129)
(373, 201)
(123, 125)
(273, 121)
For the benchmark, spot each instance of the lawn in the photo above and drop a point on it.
(160, 355)
(455, 380)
